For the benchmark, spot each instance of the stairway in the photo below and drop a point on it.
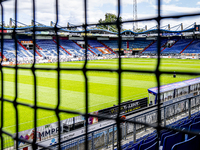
(148, 46)
(187, 46)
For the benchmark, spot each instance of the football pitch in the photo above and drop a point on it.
(102, 86)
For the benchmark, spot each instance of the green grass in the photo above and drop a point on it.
(103, 87)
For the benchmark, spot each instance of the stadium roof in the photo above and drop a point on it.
(42, 27)
(172, 86)
(161, 31)
(49, 28)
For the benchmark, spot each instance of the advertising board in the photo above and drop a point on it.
(139, 49)
(76, 133)
(125, 107)
(127, 52)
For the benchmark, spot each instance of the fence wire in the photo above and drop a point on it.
(84, 69)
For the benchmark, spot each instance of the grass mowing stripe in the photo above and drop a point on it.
(102, 87)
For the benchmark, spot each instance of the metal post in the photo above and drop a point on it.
(174, 112)
(185, 108)
(107, 137)
(164, 116)
(195, 103)
(78, 145)
(126, 130)
(122, 131)
(198, 104)
(189, 107)
(73, 123)
(113, 141)
(134, 131)
(145, 118)
(92, 140)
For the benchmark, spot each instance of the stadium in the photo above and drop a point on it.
(96, 86)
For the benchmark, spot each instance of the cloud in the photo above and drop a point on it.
(198, 3)
(167, 1)
(168, 9)
(73, 11)
(69, 10)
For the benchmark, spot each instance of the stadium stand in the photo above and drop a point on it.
(72, 48)
(9, 50)
(47, 48)
(23, 49)
(107, 47)
(193, 47)
(139, 43)
(153, 48)
(178, 47)
(98, 48)
(192, 143)
(169, 139)
(114, 44)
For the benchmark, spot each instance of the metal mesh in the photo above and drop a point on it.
(84, 69)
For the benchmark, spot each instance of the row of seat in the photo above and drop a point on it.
(70, 48)
(45, 48)
(114, 44)
(139, 43)
(170, 139)
(194, 47)
(181, 45)
(153, 47)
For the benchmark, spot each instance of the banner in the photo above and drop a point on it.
(103, 50)
(125, 107)
(140, 49)
(93, 120)
(77, 133)
(48, 131)
(27, 42)
(4, 31)
(117, 49)
(127, 52)
(43, 133)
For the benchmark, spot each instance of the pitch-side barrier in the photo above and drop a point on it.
(104, 133)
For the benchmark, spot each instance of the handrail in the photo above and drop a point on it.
(127, 120)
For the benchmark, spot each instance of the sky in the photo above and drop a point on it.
(72, 11)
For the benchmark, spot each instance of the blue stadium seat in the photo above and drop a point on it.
(178, 46)
(148, 144)
(135, 146)
(172, 139)
(124, 146)
(196, 119)
(165, 131)
(193, 47)
(131, 142)
(186, 125)
(150, 138)
(153, 48)
(153, 147)
(194, 127)
(164, 135)
(190, 144)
